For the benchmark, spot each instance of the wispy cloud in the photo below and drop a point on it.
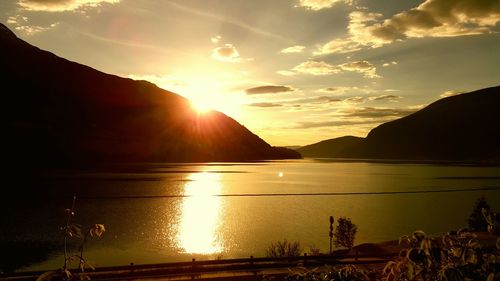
(133, 44)
(21, 24)
(390, 98)
(357, 116)
(228, 20)
(364, 67)
(293, 49)
(286, 72)
(389, 63)
(215, 39)
(451, 93)
(377, 112)
(61, 5)
(323, 68)
(316, 68)
(265, 104)
(316, 5)
(270, 89)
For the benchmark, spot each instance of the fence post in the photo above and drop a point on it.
(305, 259)
(251, 260)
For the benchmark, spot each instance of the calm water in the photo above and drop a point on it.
(160, 213)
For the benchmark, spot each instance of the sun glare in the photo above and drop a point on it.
(198, 229)
(200, 107)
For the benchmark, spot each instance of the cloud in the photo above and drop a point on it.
(316, 68)
(21, 24)
(359, 116)
(389, 64)
(334, 123)
(272, 89)
(391, 98)
(265, 104)
(451, 93)
(355, 100)
(368, 69)
(323, 68)
(432, 18)
(377, 112)
(61, 5)
(344, 89)
(293, 49)
(316, 5)
(215, 39)
(226, 20)
(316, 100)
(227, 53)
(285, 72)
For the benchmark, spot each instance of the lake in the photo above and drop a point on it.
(175, 212)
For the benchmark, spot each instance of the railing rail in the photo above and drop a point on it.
(194, 267)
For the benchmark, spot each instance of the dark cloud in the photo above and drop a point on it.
(272, 89)
(374, 112)
(385, 98)
(320, 124)
(265, 104)
(226, 53)
(316, 100)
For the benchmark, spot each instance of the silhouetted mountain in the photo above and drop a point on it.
(333, 148)
(464, 127)
(60, 112)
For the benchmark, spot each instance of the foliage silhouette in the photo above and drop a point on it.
(74, 230)
(345, 233)
(284, 249)
(476, 220)
(457, 257)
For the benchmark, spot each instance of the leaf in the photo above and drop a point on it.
(487, 216)
(419, 235)
(97, 230)
(491, 277)
(75, 230)
(388, 266)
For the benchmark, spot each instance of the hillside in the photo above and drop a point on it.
(333, 148)
(60, 112)
(464, 127)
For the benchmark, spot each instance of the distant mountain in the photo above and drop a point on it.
(464, 127)
(333, 148)
(60, 112)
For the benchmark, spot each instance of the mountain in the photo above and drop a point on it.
(333, 148)
(464, 127)
(59, 112)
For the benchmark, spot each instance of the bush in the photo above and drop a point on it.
(458, 256)
(284, 249)
(329, 273)
(476, 219)
(345, 233)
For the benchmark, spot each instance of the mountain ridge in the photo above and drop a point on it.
(61, 112)
(463, 127)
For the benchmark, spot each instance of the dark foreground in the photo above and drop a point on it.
(230, 269)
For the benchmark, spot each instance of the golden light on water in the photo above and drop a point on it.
(200, 217)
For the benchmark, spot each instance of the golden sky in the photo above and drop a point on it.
(294, 72)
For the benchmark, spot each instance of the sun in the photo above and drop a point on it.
(229, 104)
(200, 107)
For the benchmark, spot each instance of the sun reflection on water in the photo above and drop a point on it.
(199, 222)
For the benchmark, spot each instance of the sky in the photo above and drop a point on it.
(294, 72)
